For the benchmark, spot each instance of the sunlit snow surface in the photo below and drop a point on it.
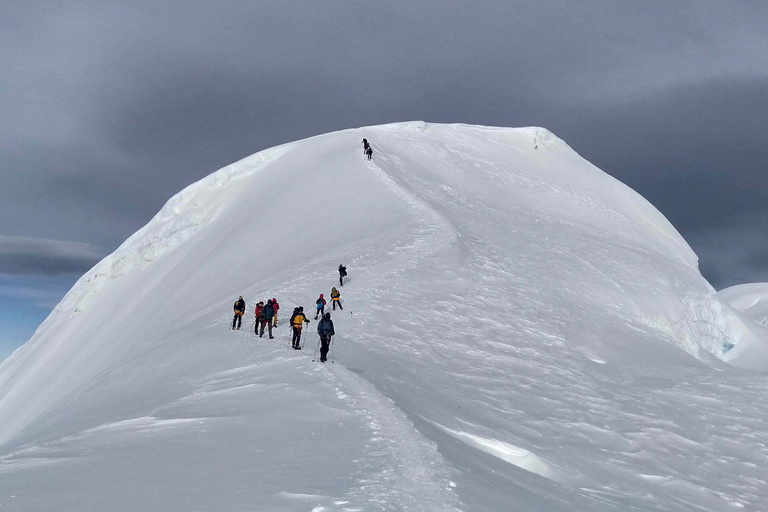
(520, 332)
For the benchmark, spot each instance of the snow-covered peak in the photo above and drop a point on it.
(520, 330)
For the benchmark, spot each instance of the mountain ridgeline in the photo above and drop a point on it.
(520, 331)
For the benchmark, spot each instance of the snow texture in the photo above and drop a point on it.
(750, 299)
(520, 332)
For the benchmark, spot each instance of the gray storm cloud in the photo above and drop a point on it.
(28, 256)
(109, 108)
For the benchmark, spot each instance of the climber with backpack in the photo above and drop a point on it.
(267, 312)
(336, 298)
(320, 303)
(365, 146)
(297, 323)
(239, 310)
(258, 309)
(326, 331)
(369, 152)
(276, 306)
(342, 274)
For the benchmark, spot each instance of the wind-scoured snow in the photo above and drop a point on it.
(521, 332)
(747, 319)
(751, 299)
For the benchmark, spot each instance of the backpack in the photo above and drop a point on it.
(325, 327)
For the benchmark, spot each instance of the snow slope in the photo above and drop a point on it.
(751, 299)
(747, 319)
(520, 332)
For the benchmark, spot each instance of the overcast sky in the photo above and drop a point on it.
(109, 108)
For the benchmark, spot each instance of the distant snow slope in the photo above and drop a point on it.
(751, 299)
(520, 332)
(747, 321)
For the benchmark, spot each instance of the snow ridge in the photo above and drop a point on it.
(414, 479)
(517, 334)
(180, 218)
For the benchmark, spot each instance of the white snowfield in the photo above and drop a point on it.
(520, 332)
(751, 299)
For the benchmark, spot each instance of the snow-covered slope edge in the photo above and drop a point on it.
(747, 315)
(178, 220)
(521, 309)
(751, 299)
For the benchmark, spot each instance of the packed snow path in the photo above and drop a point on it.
(277, 432)
(521, 332)
(554, 383)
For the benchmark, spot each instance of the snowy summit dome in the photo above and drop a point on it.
(520, 331)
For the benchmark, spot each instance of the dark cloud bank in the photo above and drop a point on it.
(36, 257)
(112, 107)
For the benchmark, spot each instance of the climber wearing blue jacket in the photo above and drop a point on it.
(267, 312)
(325, 330)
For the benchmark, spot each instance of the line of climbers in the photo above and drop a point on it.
(266, 318)
(367, 150)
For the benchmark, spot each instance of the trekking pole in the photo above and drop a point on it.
(331, 349)
(316, 349)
